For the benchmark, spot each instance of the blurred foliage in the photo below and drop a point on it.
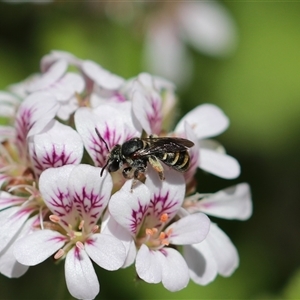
(258, 88)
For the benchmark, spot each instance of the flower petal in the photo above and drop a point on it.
(81, 279)
(231, 203)
(208, 26)
(34, 248)
(165, 54)
(223, 250)
(201, 262)
(6, 132)
(219, 164)
(128, 207)
(191, 229)
(34, 114)
(59, 145)
(102, 77)
(89, 193)
(9, 266)
(52, 75)
(147, 105)
(166, 195)
(206, 120)
(12, 222)
(148, 264)
(115, 229)
(8, 200)
(193, 153)
(175, 274)
(106, 251)
(54, 187)
(56, 55)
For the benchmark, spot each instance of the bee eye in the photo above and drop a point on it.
(114, 166)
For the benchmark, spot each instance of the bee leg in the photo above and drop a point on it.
(155, 163)
(128, 172)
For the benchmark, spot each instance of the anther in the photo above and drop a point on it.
(95, 229)
(164, 218)
(81, 225)
(80, 245)
(54, 218)
(59, 254)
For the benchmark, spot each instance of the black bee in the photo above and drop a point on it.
(135, 153)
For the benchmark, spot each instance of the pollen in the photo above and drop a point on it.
(151, 231)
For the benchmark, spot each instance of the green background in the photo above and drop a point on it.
(258, 88)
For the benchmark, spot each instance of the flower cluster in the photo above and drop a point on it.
(58, 128)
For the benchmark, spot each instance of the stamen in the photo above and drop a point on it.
(164, 218)
(80, 245)
(54, 218)
(59, 254)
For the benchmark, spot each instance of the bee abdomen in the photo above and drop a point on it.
(177, 160)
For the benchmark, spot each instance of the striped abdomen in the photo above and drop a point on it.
(177, 160)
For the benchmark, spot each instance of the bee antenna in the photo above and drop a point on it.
(102, 139)
(104, 167)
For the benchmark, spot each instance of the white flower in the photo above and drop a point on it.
(77, 198)
(146, 213)
(207, 26)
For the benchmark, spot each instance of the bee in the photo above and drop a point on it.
(134, 155)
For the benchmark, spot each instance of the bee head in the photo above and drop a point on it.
(114, 160)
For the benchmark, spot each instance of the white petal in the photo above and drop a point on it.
(54, 187)
(52, 75)
(219, 164)
(201, 262)
(38, 246)
(106, 251)
(59, 145)
(147, 107)
(113, 228)
(231, 203)
(56, 55)
(89, 192)
(82, 281)
(208, 26)
(165, 54)
(191, 229)
(193, 153)
(223, 250)
(128, 207)
(11, 224)
(8, 200)
(67, 86)
(148, 265)
(166, 195)
(34, 114)
(206, 120)
(6, 132)
(9, 266)
(175, 274)
(102, 77)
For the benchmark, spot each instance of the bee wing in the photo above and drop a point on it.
(165, 144)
